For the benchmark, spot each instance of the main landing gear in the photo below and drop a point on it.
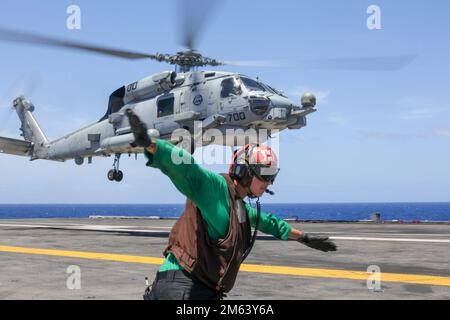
(115, 174)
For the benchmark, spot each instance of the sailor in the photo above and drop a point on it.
(213, 236)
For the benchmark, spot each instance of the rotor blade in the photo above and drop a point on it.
(24, 85)
(258, 63)
(28, 85)
(387, 63)
(31, 38)
(7, 97)
(391, 63)
(193, 16)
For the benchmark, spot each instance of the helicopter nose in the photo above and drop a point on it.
(280, 109)
(282, 102)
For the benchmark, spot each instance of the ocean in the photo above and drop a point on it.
(407, 212)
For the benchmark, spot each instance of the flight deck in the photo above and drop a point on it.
(109, 259)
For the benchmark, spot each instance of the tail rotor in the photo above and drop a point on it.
(25, 85)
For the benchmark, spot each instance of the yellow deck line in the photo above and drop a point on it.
(292, 271)
(346, 274)
(84, 255)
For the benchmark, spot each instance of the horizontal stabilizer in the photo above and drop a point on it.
(15, 147)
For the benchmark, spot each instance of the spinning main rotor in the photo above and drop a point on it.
(193, 14)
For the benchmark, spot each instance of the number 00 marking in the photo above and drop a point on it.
(132, 86)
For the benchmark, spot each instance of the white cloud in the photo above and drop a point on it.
(391, 136)
(423, 113)
(419, 108)
(442, 132)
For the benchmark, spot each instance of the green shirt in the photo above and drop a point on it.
(209, 192)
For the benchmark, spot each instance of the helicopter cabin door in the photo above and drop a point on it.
(195, 100)
(165, 107)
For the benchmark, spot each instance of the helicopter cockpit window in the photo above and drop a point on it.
(230, 86)
(165, 106)
(273, 90)
(253, 85)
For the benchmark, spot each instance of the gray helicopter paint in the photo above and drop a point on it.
(149, 87)
(197, 97)
(30, 129)
(78, 144)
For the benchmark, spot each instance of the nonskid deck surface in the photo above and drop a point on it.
(109, 259)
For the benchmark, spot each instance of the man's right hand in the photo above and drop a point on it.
(139, 129)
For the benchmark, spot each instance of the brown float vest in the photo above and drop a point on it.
(215, 263)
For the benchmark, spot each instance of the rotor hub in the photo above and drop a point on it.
(187, 59)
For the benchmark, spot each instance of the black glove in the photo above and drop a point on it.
(317, 242)
(139, 129)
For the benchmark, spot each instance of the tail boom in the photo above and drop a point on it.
(30, 128)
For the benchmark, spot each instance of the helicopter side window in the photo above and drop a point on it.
(165, 107)
(230, 87)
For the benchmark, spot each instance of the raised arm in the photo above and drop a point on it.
(187, 176)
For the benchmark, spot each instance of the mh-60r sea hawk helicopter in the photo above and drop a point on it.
(165, 101)
(172, 100)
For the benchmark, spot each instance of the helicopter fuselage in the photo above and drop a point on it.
(228, 103)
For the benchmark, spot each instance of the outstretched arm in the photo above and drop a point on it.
(295, 234)
(282, 230)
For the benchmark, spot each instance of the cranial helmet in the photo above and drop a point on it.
(254, 160)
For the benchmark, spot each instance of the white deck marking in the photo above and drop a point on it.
(112, 228)
(389, 239)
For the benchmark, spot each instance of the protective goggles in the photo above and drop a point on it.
(266, 174)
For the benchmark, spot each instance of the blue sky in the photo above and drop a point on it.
(377, 136)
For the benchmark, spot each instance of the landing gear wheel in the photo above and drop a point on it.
(115, 174)
(119, 176)
(112, 175)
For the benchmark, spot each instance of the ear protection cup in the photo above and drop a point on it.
(239, 169)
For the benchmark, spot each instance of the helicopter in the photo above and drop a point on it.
(165, 102)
